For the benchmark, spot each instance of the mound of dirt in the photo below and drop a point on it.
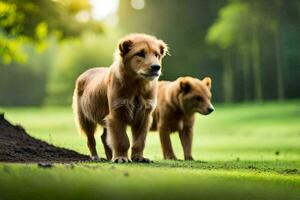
(17, 146)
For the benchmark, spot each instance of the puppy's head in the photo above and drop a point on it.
(195, 95)
(142, 55)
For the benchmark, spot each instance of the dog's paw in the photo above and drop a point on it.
(95, 158)
(189, 158)
(141, 159)
(170, 158)
(120, 159)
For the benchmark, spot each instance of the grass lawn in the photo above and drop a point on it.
(247, 151)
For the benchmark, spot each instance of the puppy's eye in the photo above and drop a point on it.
(156, 55)
(199, 98)
(141, 54)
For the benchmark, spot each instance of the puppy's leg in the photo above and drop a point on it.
(88, 128)
(117, 139)
(166, 144)
(186, 138)
(107, 150)
(92, 146)
(139, 133)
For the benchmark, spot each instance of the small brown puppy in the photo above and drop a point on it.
(123, 94)
(178, 101)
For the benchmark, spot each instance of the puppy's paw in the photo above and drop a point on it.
(120, 159)
(141, 159)
(171, 157)
(189, 158)
(95, 158)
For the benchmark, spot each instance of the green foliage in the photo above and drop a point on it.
(12, 49)
(10, 22)
(41, 31)
(41, 34)
(46, 18)
(242, 31)
(233, 22)
(58, 15)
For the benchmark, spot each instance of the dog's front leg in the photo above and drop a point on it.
(166, 145)
(186, 138)
(117, 138)
(139, 133)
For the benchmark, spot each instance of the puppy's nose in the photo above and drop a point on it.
(155, 67)
(210, 109)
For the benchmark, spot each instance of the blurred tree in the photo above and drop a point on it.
(10, 25)
(276, 28)
(74, 57)
(254, 29)
(237, 26)
(24, 84)
(32, 20)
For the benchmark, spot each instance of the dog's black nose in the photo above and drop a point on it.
(210, 110)
(155, 67)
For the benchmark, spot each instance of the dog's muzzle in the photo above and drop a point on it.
(153, 72)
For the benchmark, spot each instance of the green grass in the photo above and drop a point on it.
(234, 150)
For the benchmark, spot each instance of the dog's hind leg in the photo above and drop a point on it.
(107, 149)
(85, 126)
(91, 142)
(88, 128)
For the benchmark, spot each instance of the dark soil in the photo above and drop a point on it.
(17, 146)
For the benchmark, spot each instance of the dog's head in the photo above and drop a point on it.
(142, 55)
(195, 95)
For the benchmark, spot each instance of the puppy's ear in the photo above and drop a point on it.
(185, 86)
(207, 81)
(163, 48)
(124, 47)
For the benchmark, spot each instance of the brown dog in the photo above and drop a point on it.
(123, 94)
(177, 104)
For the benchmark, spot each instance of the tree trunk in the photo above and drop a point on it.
(256, 66)
(228, 77)
(279, 71)
(245, 68)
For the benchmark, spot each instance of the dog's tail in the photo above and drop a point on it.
(84, 126)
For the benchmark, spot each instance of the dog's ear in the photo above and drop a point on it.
(207, 81)
(124, 47)
(185, 86)
(163, 48)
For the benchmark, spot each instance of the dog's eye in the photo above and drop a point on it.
(156, 55)
(140, 54)
(198, 98)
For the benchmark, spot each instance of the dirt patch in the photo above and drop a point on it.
(17, 146)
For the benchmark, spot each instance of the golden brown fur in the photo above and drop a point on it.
(177, 103)
(123, 94)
